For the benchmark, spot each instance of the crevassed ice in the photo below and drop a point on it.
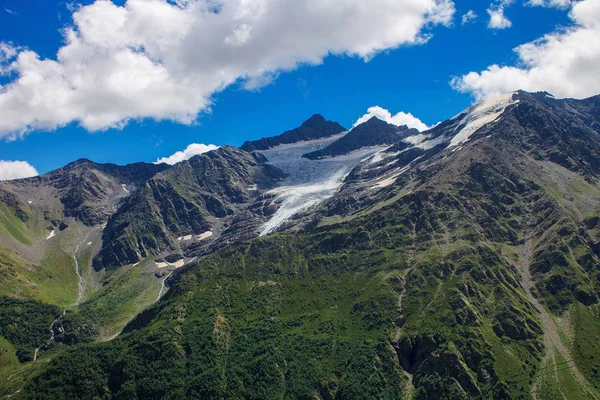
(309, 182)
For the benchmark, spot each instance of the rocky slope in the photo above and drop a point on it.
(185, 209)
(461, 263)
(87, 191)
(45, 220)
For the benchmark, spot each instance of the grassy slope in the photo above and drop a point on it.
(53, 281)
(418, 286)
(129, 291)
(295, 316)
(586, 348)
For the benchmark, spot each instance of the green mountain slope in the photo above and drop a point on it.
(450, 271)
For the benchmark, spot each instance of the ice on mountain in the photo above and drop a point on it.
(481, 114)
(465, 124)
(309, 182)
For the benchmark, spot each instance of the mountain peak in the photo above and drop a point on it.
(376, 123)
(316, 127)
(374, 132)
(79, 162)
(315, 119)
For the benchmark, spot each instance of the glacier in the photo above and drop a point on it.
(308, 182)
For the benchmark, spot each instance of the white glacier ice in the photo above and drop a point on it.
(309, 182)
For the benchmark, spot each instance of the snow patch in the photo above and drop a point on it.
(30, 202)
(481, 114)
(416, 139)
(89, 243)
(125, 188)
(176, 264)
(51, 235)
(470, 122)
(382, 155)
(430, 144)
(205, 235)
(385, 182)
(185, 238)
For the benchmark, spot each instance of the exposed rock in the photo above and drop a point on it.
(374, 132)
(316, 127)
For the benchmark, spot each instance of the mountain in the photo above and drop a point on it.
(44, 219)
(316, 127)
(87, 191)
(374, 132)
(50, 227)
(213, 198)
(458, 263)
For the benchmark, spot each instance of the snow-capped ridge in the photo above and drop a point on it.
(459, 129)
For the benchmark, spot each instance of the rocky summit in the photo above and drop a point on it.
(380, 262)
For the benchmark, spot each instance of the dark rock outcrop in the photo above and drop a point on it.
(316, 127)
(374, 132)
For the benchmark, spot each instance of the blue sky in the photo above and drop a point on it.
(411, 78)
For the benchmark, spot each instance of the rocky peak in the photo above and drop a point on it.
(316, 127)
(373, 132)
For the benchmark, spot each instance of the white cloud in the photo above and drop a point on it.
(192, 150)
(497, 18)
(399, 119)
(165, 59)
(564, 62)
(16, 170)
(550, 3)
(469, 16)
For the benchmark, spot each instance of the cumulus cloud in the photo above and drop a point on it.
(16, 170)
(399, 119)
(164, 59)
(469, 16)
(192, 150)
(564, 62)
(497, 18)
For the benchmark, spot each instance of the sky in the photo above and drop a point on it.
(156, 80)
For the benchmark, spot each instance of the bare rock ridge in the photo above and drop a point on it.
(316, 127)
(374, 132)
(87, 191)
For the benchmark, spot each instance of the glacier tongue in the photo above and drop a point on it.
(309, 182)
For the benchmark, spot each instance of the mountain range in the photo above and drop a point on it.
(462, 262)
